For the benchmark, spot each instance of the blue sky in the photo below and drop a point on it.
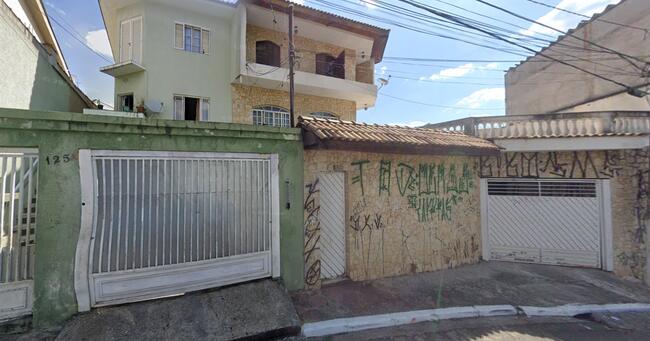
(427, 93)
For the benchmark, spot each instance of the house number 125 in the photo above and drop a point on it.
(56, 159)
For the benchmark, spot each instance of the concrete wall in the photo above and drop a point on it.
(537, 87)
(628, 170)
(171, 71)
(244, 98)
(59, 202)
(404, 213)
(30, 78)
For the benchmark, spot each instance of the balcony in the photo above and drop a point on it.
(271, 77)
(552, 125)
(568, 131)
(122, 68)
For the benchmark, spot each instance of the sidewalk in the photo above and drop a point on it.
(487, 283)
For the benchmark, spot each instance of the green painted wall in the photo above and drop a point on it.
(59, 202)
(28, 80)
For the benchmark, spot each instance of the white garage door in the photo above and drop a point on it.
(545, 221)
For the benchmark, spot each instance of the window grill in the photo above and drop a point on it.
(271, 116)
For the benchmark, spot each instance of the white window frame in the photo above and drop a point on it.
(271, 115)
(200, 116)
(131, 20)
(201, 42)
(324, 114)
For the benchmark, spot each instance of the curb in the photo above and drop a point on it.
(360, 323)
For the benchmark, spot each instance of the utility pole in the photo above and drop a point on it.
(292, 59)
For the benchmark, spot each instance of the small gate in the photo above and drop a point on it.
(18, 187)
(156, 224)
(332, 217)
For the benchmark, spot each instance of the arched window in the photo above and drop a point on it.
(270, 115)
(323, 114)
(267, 53)
(327, 65)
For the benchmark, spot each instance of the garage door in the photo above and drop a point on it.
(160, 223)
(549, 222)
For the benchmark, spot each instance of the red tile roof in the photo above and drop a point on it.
(348, 135)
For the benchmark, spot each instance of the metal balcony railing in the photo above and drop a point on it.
(551, 125)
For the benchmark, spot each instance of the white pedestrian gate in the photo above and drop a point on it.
(545, 221)
(156, 224)
(18, 187)
(332, 223)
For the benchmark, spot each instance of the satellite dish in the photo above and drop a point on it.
(153, 106)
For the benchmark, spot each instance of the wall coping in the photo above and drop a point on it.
(76, 122)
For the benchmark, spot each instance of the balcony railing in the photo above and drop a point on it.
(551, 125)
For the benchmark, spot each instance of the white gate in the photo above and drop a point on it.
(332, 223)
(545, 221)
(156, 224)
(18, 186)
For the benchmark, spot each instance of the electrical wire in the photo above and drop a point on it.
(596, 17)
(83, 43)
(435, 105)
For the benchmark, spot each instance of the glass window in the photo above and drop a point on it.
(191, 39)
(271, 116)
(323, 114)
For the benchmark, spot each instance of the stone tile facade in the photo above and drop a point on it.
(245, 98)
(628, 171)
(413, 213)
(404, 213)
(306, 50)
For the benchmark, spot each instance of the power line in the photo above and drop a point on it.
(435, 105)
(597, 17)
(451, 17)
(621, 54)
(80, 41)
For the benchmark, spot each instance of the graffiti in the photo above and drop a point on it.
(359, 178)
(433, 190)
(533, 165)
(384, 176)
(312, 235)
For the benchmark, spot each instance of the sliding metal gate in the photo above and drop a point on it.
(163, 223)
(18, 183)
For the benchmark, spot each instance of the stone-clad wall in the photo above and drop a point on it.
(628, 171)
(244, 98)
(306, 50)
(404, 213)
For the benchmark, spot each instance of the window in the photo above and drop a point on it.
(191, 108)
(191, 38)
(327, 65)
(267, 53)
(125, 102)
(131, 40)
(271, 116)
(323, 114)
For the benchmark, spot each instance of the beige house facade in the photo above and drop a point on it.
(622, 30)
(228, 61)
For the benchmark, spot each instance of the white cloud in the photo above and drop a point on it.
(382, 71)
(564, 21)
(299, 2)
(460, 71)
(411, 124)
(370, 4)
(482, 96)
(98, 41)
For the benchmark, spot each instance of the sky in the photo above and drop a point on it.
(414, 94)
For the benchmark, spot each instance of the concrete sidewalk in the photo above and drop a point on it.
(486, 283)
(256, 310)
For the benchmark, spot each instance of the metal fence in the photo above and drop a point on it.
(18, 186)
(157, 211)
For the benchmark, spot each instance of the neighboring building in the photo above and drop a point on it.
(571, 185)
(227, 62)
(34, 73)
(540, 86)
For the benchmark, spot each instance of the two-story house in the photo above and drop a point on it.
(227, 61)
